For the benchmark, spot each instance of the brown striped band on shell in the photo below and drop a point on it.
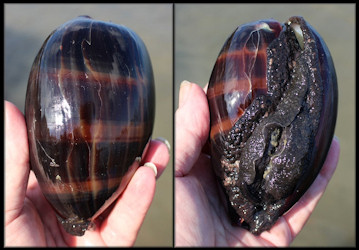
(90, 112)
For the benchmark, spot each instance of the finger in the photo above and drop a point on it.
(192, 126)
(158, 154)
(16, 161)
(120, 228)
(300, 212)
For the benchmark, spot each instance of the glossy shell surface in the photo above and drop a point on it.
(273, 105)
(90, 113)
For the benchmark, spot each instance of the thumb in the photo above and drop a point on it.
(192, 126)
(16, 161)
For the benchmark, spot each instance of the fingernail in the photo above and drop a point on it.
(152, 166)
(165, 142)
(183, 92)
(205, 88)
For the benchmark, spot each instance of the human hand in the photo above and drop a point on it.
(200, 218)
(31, 221)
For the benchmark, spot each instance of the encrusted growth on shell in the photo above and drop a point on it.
(273, 102)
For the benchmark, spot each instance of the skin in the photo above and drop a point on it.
(201, 218)
(30, 220)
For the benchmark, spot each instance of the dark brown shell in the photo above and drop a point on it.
(90, 113)
(273, 104)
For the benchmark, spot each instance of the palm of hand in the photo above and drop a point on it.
(36, 224)
(31, 221)
(40, 227)
(200, 199)
(200, 217)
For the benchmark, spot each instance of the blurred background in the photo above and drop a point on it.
(28, 25)
(200, 32)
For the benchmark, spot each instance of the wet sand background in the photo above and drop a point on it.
(28, 25)
(200, 32)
